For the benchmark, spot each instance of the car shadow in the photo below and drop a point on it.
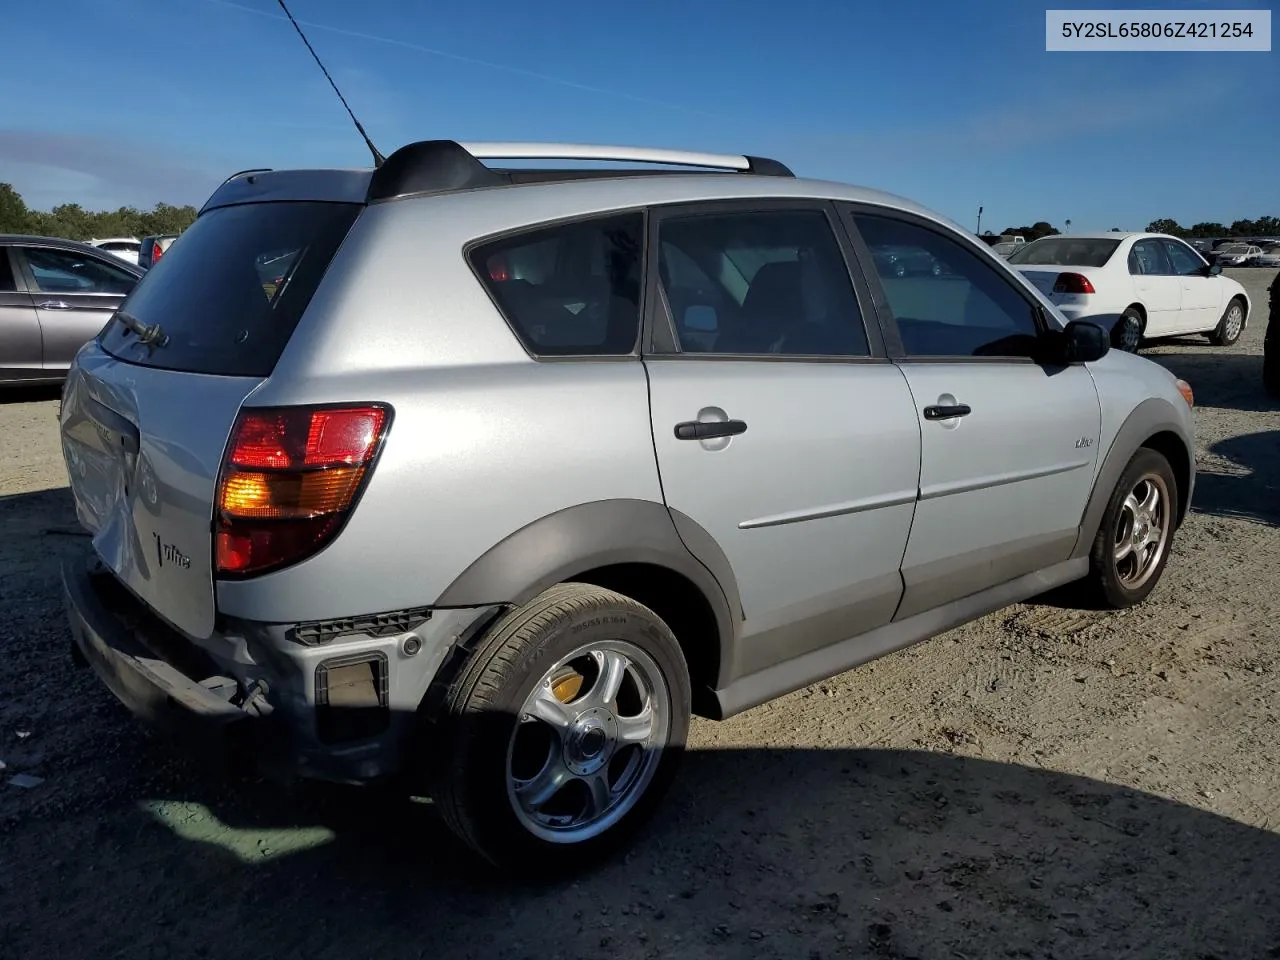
(1241, 479)
(29, 394)
(760, 852)
(1218, 378)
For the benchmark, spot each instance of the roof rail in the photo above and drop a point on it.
(242, 173)
(486, 150)
(441, 165)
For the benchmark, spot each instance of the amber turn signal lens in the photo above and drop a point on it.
(1184, 388)
(288, 496)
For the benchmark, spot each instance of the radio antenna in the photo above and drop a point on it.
(378, 159)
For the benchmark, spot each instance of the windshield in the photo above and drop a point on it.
(229, 296)
(1066, 252)
(1233, 248)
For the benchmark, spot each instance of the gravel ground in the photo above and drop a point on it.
(1042, 783)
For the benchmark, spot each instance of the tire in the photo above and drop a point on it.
(1116, 581)
(518, 788)
(1229, 328)
(1126, 334)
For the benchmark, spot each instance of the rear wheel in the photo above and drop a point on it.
(1230, 326)
(563, 731)
(1126, 335)
(1132, 544)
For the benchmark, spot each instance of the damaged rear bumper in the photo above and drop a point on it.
(277, 715)
(154, 689)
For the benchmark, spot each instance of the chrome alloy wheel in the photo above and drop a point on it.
(1142, 531)
(588, 741)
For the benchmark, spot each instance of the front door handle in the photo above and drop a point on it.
(947, 411)
(54, 305)
(709, 429)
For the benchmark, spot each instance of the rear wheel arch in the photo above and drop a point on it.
(637, 548)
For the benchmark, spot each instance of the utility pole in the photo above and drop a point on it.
(979, 230)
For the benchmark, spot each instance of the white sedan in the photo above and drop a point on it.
(1137, 285)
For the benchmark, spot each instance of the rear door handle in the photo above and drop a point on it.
(54, 305)
(948, 411)
(709, 429)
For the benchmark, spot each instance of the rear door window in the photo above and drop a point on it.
(767, 282)
(230, 295)
(1148, 259)
(570, 289)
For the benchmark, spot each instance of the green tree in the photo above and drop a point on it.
(1037, 230)
(1244, 228)
(72, 221)
(14, 215)
(1209, 229)
(1268, 226)
(1166, 225)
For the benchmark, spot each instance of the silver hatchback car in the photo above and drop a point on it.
(485, 478)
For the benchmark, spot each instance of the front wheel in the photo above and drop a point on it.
(1230, 326)
(1132, 544)
(563, 730)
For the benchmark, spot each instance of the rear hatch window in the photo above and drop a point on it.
(229, 296)
(1065, 252)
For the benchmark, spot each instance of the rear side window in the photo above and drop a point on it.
(229, 296)
(1066, 252)
(571, 289)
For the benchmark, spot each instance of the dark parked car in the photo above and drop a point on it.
(1271, 343)
(55, 295)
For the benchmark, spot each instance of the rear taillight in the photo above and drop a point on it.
(1073, 283)
(157, 252)
(289, 480)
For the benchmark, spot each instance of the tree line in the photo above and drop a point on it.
(73, 222)
(1262, 227)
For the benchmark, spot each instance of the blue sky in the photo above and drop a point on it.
(952, 104)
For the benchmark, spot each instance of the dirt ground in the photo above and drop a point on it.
(1042, 783)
